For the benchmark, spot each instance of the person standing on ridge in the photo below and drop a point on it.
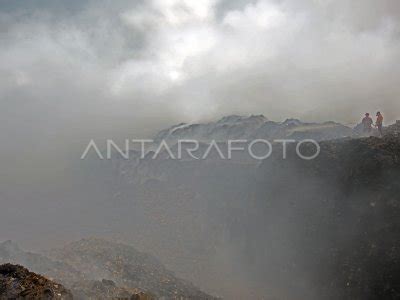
(367, 123)
(379, 122)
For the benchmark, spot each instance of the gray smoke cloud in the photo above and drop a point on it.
(75, 70)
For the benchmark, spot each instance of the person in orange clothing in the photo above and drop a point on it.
(379, 122)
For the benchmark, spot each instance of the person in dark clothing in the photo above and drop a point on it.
(367, 123)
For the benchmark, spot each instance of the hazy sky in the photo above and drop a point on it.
(71, 70)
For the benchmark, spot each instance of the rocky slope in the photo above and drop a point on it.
(98, 269)
(334, 220)
(10, 252)
(16, 282)
(127, 267)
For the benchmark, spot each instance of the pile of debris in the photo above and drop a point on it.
(16, 282)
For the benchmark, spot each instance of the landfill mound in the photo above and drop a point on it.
(127, 267)
(213, 205)
(17, 282)
(253, 127)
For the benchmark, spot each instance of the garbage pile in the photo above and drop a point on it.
(17, 282)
